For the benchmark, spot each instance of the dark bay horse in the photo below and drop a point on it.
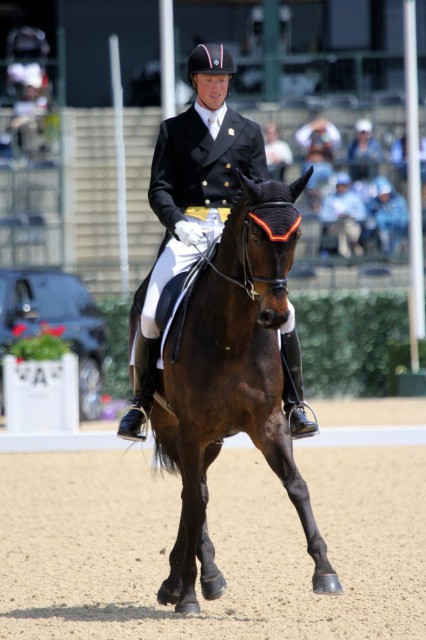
(228, 378)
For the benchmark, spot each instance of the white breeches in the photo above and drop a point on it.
(176, 258)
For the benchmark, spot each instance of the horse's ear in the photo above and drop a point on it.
(298, 185)
(250, 188)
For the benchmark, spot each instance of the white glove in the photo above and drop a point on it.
(188, 232)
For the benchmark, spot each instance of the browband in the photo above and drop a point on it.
(275, 203)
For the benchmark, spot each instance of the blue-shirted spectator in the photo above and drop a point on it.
(390, 211)
(398, 155)
(365, 152)
(343, 213)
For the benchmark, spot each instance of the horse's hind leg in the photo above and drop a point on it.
(170, 589)
(279, 455)
(213, 583)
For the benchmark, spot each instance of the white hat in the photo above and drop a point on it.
(364, 125)
(28, 74)
(33, 75)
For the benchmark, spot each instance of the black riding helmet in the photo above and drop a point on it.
(212, 59)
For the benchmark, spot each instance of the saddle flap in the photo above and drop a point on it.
(168, 300)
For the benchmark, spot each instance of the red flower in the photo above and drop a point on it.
(19, 329)
(57, 331)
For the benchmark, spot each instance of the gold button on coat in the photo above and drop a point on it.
(227, 166)
(204, 183)
(226, 184)
(224, 201)
(206, 201)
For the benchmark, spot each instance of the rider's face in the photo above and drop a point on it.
(211, 89)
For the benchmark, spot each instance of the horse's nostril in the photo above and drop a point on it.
(272, 318)
(267, 316)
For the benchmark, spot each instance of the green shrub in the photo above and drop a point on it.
(116, 312)
(345, 339)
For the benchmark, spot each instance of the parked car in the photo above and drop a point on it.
(34, 296)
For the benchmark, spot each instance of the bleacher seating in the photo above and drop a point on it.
(87, 195)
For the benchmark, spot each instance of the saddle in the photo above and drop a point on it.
(174, 300)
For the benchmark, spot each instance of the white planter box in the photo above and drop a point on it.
(41, 396)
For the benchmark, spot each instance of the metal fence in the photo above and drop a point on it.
(340, 85)
(31, 211)
(361, 77)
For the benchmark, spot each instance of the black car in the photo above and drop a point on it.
(34, 296)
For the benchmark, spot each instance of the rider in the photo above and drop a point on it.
(193, 185)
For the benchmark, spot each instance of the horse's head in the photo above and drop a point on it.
(270, 232)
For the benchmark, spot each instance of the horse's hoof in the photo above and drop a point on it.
(164, 596)
(327, 583)
(213, 588)
(188, 608)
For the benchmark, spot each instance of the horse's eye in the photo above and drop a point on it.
(255, 238)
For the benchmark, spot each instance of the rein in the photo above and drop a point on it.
(249, 277)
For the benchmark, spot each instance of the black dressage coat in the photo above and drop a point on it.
(189, 168)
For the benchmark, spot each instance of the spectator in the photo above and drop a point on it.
(342, 214)
(319, 139)
(27, 124)
(423, 200)
(321, 135)
(390, 211)
(278, 153)
(364, 153)
(398, 154)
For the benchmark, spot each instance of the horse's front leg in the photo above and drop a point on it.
(277, 447)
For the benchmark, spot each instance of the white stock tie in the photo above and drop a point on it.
(213, 127)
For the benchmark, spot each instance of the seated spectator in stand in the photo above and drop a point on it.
(365, 153)
(319, 139)
(278, 153)
(390, 211)
(342, 214)
(320, 132)
(423, 201)
(29, 110)
(398, 154)
(6, 153)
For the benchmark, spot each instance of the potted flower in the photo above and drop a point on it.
(47, 344)
(40, 381)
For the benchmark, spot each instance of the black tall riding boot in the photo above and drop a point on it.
(146, 355)
(300, 425)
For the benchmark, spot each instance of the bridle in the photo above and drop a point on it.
(277, 283)
(249, 277)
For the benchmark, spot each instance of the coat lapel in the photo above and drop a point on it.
(230, 129)
(195, 127)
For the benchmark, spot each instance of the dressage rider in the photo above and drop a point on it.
(193, 186)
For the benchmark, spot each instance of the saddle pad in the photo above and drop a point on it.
(160, 362)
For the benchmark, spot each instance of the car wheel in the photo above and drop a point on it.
(90, 388)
